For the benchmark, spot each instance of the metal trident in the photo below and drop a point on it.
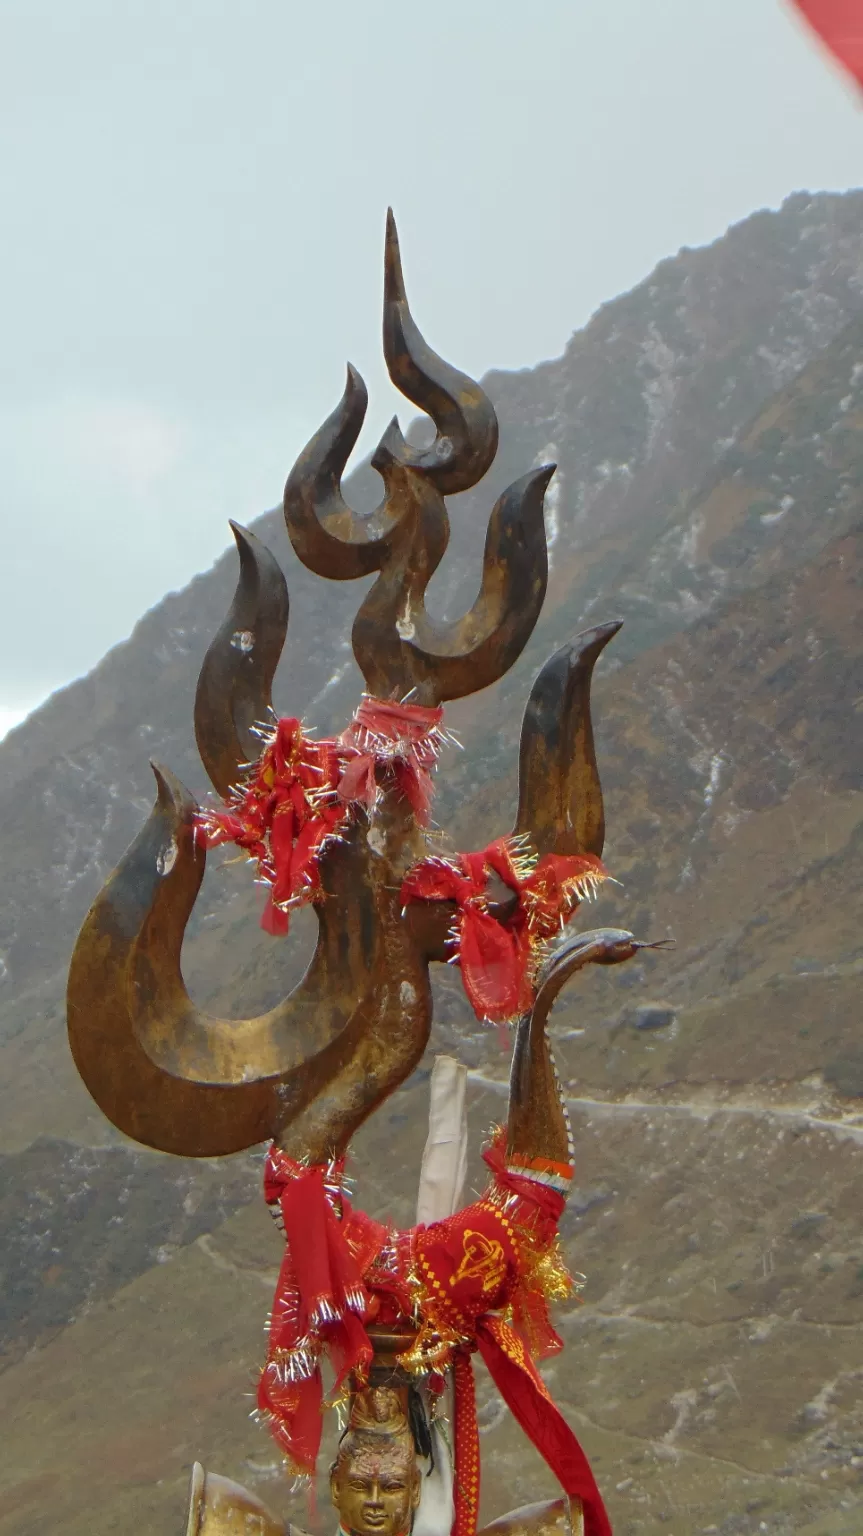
(310, 1070)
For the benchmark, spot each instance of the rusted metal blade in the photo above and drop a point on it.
(559, 791)
(402, 652)
(235, 683)
(467, 433)
(176, 1078)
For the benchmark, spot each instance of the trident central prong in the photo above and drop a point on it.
(400, 650)
(466, 440)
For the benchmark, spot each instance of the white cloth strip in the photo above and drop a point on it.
(444, 1163)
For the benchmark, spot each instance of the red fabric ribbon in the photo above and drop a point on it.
(321, 1303)
(497, 956)
(523, 1390)
(403, 740)
(519, 1383)
(839, 23)
(301, 792)
(474, 1266)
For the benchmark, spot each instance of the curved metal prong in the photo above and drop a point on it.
(538, 1124)
(402, 651)
(235, 684)
(327, 535)
(559, 791)
(467, 431)
(330, 538)
(184, 1081)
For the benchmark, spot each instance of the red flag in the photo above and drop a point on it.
(839, 23)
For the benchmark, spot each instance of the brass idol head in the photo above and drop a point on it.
(375, 1480)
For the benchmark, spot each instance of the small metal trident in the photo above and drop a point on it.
(310, 1070)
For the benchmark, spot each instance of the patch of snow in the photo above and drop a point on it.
(713, 778)
(659, 392)
(166, 858)
(785, 505)
(548, 455)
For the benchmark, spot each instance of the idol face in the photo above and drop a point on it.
(375, 1484)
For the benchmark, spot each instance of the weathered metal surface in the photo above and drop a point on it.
(559, 791)
(467, 433)
(400, 650)
(310, 1070)
(537, 1124)
(175, 1077)
(235, 685)
(220, 1507)
(559, 1517)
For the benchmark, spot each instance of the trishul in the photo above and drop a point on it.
(310, 1071)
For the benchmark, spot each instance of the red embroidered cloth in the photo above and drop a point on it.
(456, 1278)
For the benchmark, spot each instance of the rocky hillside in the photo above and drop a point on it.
(709, 432)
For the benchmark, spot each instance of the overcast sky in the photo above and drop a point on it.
(193, 200)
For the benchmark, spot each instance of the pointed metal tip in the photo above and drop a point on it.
(355, 398)
(172, 795)
(242, 537)
(394, 283)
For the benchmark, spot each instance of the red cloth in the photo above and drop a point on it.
(301, 792)
(401, 738)
(321, 1302)
(341, 1269)
(839, 23)
(497, 957)
(523, 1390)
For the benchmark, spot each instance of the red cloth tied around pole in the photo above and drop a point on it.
(302, 792)
(403, 740)
(498, 956)
(321, 1303)
(839, 23)
(472, 1266)
(453, 1278)
(282, 815)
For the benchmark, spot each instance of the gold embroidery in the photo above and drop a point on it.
(483, 1259)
